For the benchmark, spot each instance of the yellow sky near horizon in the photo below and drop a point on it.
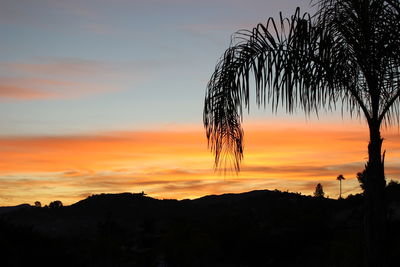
(175, 163)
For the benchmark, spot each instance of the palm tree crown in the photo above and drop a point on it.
(348, 53)
(340, 177)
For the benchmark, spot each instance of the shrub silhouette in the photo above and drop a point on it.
(55, 204)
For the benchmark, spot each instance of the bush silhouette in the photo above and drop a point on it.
(55, 204)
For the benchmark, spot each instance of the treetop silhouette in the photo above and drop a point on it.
(319, 191)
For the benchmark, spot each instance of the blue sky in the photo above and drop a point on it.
(80, 66)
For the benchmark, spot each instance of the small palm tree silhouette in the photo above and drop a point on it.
(340, 178)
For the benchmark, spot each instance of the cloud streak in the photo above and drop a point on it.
(16, 92)
(67, 78)
(176, 164)
(34, 88)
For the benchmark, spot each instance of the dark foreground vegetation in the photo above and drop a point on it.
(259, 228)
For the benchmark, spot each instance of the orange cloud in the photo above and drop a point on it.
(34, 88)
(67, 78)
(65, 67)
(15, 92)
(176, 164)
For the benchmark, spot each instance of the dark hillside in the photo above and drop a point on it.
(259, 228)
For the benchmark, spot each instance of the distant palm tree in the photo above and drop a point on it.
(348, 53)
(340, 178)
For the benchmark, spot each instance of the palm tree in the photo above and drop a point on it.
(346, 56)
(340, 178)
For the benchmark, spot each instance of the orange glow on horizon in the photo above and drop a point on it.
(177, 164)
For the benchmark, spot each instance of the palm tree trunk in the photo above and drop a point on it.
(375, 206)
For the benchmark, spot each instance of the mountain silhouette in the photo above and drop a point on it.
(258, 228)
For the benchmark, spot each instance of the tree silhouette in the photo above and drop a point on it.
(55, 204)
(319, 191)
(347, 54)
(38, 204)
(340, 178)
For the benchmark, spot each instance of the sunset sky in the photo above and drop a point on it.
(103, 96)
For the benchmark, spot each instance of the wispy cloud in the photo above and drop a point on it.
(68, 78)
(15, 92)
(35, 88)
(308, 171)
(65, 67)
